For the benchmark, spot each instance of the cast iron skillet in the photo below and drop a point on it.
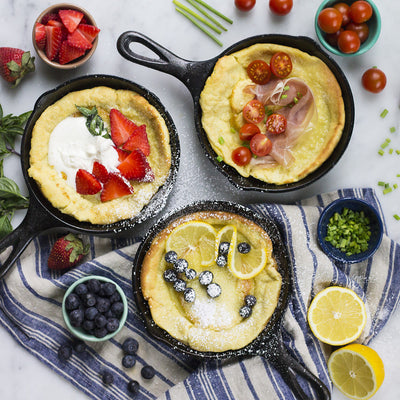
(195, 73)
(269, 343)
(41, 215)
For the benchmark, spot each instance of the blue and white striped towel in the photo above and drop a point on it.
(30, 309)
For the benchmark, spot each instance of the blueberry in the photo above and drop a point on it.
(109, 289)
(128, 360)
(89, 299)
(100, 321)
(214, 290)
(148, 372)
(180, 265)
(112, 324)
(170, 275)
(91, 313)
(72, 302)
(100, 332)
(117, 309)
(130, 346)
(76, 317)
(243, 247)
(93, 285)
(103, 304)
(180, 285)
(79, 346)
(81, 289)
(170, 256)
(250, 300)
(115, 297)
(223, 248)
(65, 352)
(190, 273)
(245, 311)
(221, 261)
(88, 325)
(107, 377)
(189, 295)
(101, 291)
(133, 387)
(206, 277)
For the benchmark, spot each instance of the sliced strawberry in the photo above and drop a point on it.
(53, 41)
(40, 35)
(136, 167)
(86, 183)
(50, 16)
(70, 19)
(78, 39)
(138, 140)
(115, 187)
(69, 53)
(122, 154)
(121, 127)
(89, 31)
(100, 172)
(64, 31)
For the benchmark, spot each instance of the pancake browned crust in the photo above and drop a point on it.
(222, 101)
(211, 324)
(90, 208)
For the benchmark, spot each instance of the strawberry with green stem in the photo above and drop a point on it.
(15, 64)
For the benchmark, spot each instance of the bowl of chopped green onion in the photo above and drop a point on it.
(349, 230)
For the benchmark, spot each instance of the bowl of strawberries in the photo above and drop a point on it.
(65, 36)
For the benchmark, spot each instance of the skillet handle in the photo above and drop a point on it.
(191, 73)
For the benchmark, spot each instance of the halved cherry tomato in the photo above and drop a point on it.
(280, 7)
(247, 131)
(241, 156)
(360, 11)
(276, 124)
(374, 80)
(344, 9)
(362, 30)
(254, 111)
(330, 20)
(259, 72)
(281, 64)
(260, 145)
(348, 42)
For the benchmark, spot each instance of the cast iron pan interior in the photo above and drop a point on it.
(41, 214)
(195, 73)
(269, 343)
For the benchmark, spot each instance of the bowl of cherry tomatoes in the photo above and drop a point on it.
(347, 27)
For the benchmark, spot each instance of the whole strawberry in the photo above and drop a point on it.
(67, 252)
(15, 64)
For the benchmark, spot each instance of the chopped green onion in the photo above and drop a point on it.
(295, 100)
(380, 183)
(286, 88)
(396, 217)
(392, 129)
(387, 190)
(397, 151)
(233, 130)
(385, 144)
(381, 152)
(205, 13)
(398, 175)
(384, 113)
(390, 151)
(221, 140)
(284, 96)
(219, 159)
(395, 186)
(204, 4)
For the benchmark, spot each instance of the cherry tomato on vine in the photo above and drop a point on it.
(348, 42)
(259, 72)
(344, 9)
(247, 131)
(374, 80)
(254, 112)
(276, 124)
(330, 20)
(241, 156)
(360, 11)
(362, 30)
(281, 64)
(280, 7)
(260, 145)
(245, 5)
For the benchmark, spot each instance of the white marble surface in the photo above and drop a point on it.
(22, 376)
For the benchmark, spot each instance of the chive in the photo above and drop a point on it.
(295, 100)
(381, 152)
(398, 175)
(380, 183)
(390, 151)
(387, 190)
(204, 4)
(384, 113)
(219, 159)
(397, 151)
(392, 129)
(284, 96)
(205, 13)
(396, 217)
(221, 140)
(189, 17)
(286, 88)
(384, 144)
(395, 186)
(233, 130)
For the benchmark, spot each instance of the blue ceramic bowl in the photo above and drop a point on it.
(354, 204)
(79, 332)
(374, 25)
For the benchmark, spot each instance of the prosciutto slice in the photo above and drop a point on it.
(295, 94)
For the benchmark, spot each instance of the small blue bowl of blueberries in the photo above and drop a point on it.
(94, 308)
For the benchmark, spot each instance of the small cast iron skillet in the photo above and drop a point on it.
(194, 74)
(41, 215)
(269, 343)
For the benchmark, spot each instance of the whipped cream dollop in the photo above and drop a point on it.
(72, 146)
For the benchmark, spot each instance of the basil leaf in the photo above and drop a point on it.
(9, 189)
(5, 226)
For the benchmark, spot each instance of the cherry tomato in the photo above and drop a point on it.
(374, 80)
(260, 145)
(280, 7)
(362, 30)
(276, 124)
(247, 131)
(330, 20)
(344, 9)
(332, 38)
(245, 5)
(254, 112)
(281, 64)
(348, 42)
(259, 72)
(360, 11)
(241, 156)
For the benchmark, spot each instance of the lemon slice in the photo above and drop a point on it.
(337, 316)
(194, 241)
(226, 234)
(356, 370)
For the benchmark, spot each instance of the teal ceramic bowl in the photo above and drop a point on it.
(374, 26)
(80, 332)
